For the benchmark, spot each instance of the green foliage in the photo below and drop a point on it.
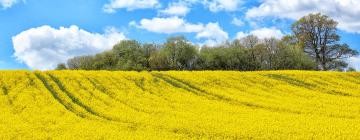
(177, 53)
(149, 51)
(226, 57)
(351, 69)
(105, 61)
(158, 61)
(293, 57)
(180, 54)
(130, 55)
(61, 66)
(81, 63)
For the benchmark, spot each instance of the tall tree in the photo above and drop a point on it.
(81, 63)
(271, 47)
(158, 61)
(130, 55)
(317, 34)
(180, 53)
(250, 42)
(149, 50)
(61, 66)
(105, 61)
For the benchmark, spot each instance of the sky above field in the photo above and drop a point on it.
(38, 34)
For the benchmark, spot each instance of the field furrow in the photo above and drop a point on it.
(179, 105)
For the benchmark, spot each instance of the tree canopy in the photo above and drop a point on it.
(313, 46)
(179, 54)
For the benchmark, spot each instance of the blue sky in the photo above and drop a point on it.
(38, 34)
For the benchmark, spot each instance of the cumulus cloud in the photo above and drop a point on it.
(44, 47)
(8, 3)
(212, 32)
(238, 22)
(217, 5)
(262, 33)
(223, 5)
(130, 5)
(175, 10)
(346, 12)
(169, 25)
(354, 62)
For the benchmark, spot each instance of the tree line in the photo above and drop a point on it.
(314, 45)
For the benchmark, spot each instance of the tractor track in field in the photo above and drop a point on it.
(140, 84)
(5, 91)
(92, 93)
(86, 112)
(112, 95)
(211, 96)
(57, 97)
(76, 100)
(309, 86)
(74, 104)
(291, 81)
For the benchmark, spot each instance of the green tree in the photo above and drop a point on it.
(149, 51)
(61, 66)
(105, 61)
(271, 49)
(158, 61)
(292, 58)
(251, 42)
(130, 55)
(181, 54)
(81, 63)
(318, 36)
(213, 58)
(228, 56)
(351, 69)
(243, 58)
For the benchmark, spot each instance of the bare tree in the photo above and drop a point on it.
(317, 34)
(250, 42)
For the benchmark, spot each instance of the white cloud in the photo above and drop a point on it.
(44, 47)
(130, 5)
(7, 3)
(355, 63)
(169, 25)
(217, 5)
(133, 23)
(262, 33)
(175, 10)
(223, 5)
(346, 12)
(213, 33)
(237, 22)
(240, 35)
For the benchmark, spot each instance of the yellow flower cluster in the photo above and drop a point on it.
(179, 105)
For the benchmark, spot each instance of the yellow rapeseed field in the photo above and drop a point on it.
(179, 105)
